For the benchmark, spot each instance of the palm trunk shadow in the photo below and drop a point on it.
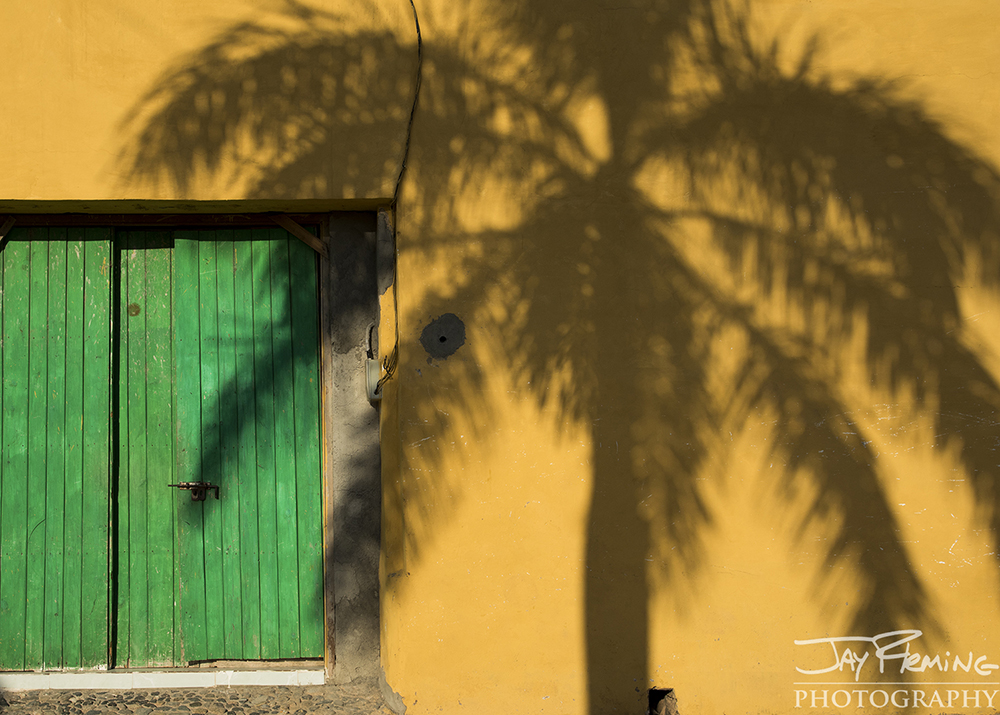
(616, 589)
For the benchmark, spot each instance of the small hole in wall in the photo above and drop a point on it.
(662, 701)
(443, 336)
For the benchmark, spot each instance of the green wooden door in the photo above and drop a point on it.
(55, 394)
(135, 361)
(242, 577)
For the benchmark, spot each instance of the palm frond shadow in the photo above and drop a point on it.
(840, 209)
(271, 107)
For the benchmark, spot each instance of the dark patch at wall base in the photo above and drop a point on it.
(662, 701)
(443, 336)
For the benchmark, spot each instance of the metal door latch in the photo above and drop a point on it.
(199, 490)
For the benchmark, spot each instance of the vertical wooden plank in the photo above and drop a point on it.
(55, 457)
(211, 457)
(187, 402)
(96, 446)
(37, 452)
(246, 405)
(147, 608)
(134, 331)
(263, 378)
(177, 554)
(73, 575)
(231, 385)
(121, 585)
(160, 499)
(3, 387)
(308, 474)
(14, 501)
(284, 447)
(124, 251)
(328, 431)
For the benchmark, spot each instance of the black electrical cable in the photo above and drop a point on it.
(413, 107)
(390, 361)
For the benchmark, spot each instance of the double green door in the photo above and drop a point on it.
(131, 362)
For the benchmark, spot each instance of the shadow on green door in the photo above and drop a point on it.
(218, 381)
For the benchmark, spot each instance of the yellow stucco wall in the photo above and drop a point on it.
(728, 284)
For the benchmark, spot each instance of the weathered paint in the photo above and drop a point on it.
(726, 383)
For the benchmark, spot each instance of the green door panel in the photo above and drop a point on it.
(247, 416)
(55, 395)
(129, 362)
(245, 407)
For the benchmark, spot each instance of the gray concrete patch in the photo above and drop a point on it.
(354, 468)
(393, 700)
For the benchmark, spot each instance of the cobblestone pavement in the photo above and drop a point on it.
(244, 700)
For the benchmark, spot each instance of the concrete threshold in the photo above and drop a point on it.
(137, 679)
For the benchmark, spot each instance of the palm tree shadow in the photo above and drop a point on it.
(838, 211)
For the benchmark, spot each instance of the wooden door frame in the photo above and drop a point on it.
(351, 274)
